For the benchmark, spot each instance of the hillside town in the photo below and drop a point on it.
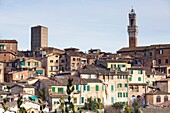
(37, 80)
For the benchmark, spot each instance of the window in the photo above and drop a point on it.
(56, 61)
(36, 64)
(21, 76)
(74, 59)
(22, 63)
(103, 76)
(53, 89)
(120, 76)
(119, 85)
(112, 87)
(84, 87)
(150, 53)
(75, 100)
(159, 61)
(165, 98)
(28, 63)
(160, 51)
(103, 87)
(112, 99)
(119, 94)
(144, 54)
(126, 85)
(102, 100)
(140, 71)
(166, 61)
(139, 78)
(124, 94)
(97, 87)
(158, 99)
(130, 78)
(77, 87)
(131, 71)
(88, 88)
(60, 90)
(82, 99)
(51, 61)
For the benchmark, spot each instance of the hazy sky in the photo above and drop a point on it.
(85, 24)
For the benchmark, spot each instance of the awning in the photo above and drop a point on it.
(34, 98)
(39, 71)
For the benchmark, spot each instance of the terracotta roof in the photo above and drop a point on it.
(155, 110)
(8, 41)
(157, 92)
(127, 49)
(93, 80)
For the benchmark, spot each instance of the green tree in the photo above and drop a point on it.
(4, 104)
(42, 94)
(91, 104)
(70, 88)
(61, 107)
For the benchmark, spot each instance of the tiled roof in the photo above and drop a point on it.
(127, 49)
(93, 80)
(8, 41)
(157, 92)
(155, 110)
(63, 81)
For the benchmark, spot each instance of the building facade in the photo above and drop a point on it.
(39, 37)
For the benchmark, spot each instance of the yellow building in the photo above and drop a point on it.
(51, 64)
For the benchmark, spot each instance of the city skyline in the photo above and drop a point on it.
(85, 24)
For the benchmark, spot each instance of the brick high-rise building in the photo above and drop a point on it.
(39, 37)
(132, 29)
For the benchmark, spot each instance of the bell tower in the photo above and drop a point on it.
(132, 29)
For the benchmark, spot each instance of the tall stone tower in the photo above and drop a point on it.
(39, 37)
(132, 29)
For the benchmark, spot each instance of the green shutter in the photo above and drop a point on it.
(112, 87)
(120, 94)
(150, 53)
(139, 78)
(126, 85)
(22, 63)
(84, 87)
(77, 87)
(103, 87)
(130, 78)
(88, 88)
(53, 89)
(58, 90)
(126, 94)
(97, 88)
(28, 63)
(131, 71)
(112, 99)
(82, 99)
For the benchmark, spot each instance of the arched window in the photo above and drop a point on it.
(158, 99)
(165, 98)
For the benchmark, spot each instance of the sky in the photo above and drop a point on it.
(85, 24)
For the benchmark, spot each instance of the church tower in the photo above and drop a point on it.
(132, 29)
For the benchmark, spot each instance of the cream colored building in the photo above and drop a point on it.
(137, 83)
(51, 64)
(39, 37)
(29, 63)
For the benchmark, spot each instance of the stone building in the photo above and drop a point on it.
(39, 37)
